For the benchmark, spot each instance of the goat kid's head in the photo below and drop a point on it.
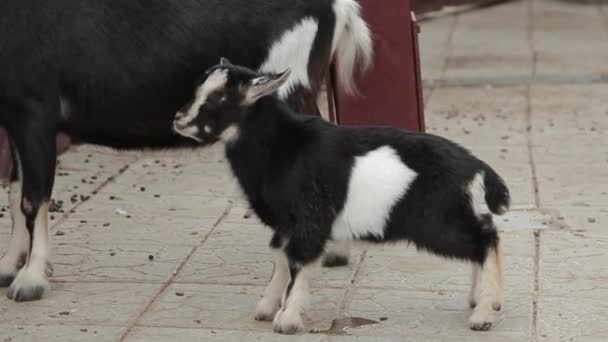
(223, 100)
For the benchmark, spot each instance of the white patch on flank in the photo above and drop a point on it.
(269, 305)
(230, 134)
(216, 80)
(378, 180)
(477, 191)
(292, 51)
(207, 129)
(20, 240)
(34, 273)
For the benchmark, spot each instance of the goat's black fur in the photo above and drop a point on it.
(115, 72)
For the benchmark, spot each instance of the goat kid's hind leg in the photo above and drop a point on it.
(268, 306)
(36, 151)
(301, 255)
(489, 290)
(337, 254)
(16, 254)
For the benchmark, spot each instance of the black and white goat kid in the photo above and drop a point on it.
(115, 72)
(311, 182)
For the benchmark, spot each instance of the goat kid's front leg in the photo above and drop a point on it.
(269, 304)
(295, 301)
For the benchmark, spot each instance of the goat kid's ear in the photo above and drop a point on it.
(264, 85)
(224, 61)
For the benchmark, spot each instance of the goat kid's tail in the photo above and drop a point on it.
(494, 190)
(352, 43)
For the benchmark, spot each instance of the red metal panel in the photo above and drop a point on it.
(390, 92)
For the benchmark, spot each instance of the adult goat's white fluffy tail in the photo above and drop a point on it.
(352, 43)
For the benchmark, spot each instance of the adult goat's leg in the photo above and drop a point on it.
(18, 248)
(35, 149)
(269, 304)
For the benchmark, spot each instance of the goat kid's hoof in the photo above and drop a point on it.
(480, 322)
(288, 323)
(334, 260)
(265, 310)
(26, 288)
(482, 326)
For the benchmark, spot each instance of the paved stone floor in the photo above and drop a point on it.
(157, 248)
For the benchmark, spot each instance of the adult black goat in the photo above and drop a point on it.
(115, 72)
(312, 182)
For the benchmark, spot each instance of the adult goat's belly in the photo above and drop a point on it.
(378, 180)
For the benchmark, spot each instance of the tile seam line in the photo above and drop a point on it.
(63, 218)
(173, 276)
(350, 286)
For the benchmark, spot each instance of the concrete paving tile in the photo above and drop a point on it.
(222, 306)
(466, 115)
(217, 263)
(241, 214)
(64, 333)
(481, 337)
(83, 303)
(435, 314)
(569, 109)
(142, 218)
(402, 267)
(574, 255)
(585, 218)
(110, 262)
(578, 317)
(489, 65)
(573, 286)
(178, 178)
(236, 234)
(575, 62)
(145, 334)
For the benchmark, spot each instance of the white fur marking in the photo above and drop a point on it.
(230, 134)
(34, 273)
(378, 180)
(351, 43)
(216, 80)
(207, 129)
(488, 291)
(269, 304)
(292, 51)
(187, 131)
(19, 243)
(289, 318)
(477, 192)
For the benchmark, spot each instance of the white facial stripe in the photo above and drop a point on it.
(189, 132)
(378, 180)
(216, 80)
(230, 134)
(292, 51)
